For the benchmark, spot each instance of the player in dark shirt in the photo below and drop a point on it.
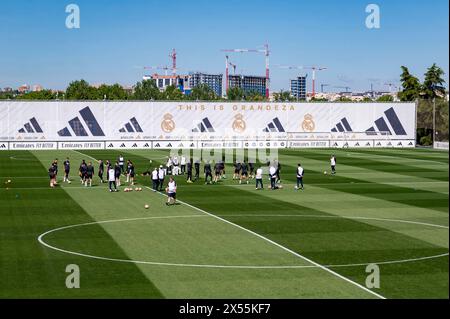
(207, 170)
(251, 166)
(101, 169)
(217, 170)
(237, 170)
(117, 172)
(278, 167)
(189, 171)
(55, 164)
(222, 168)
(130, 172)
(197, 169)
(82, 171)
(244, 173)
(89, 174)
(66, 170)
(52, 175)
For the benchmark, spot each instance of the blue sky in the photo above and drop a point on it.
(116, 37)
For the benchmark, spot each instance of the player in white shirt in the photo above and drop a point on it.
(258, 177)
(161, 175)
(155, 179)
(273, 177)
(300, 172)
(176, 168)
(333, 164)
(112, 179)
(171, 191)
(183, 164)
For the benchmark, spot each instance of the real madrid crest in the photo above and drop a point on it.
(239, 124)
(167, 124)
(308, 124)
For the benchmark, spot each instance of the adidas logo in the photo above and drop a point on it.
(368, 144)
(410, 144)
(399, 144)
(342, 126)
(134, 145)
(357, 144)
(131, 127)
(110, 145)
(79, 129)
(2, 145)
(204, 126)
(274, 126)
(146, 145)
(31, 127)
(382, 125)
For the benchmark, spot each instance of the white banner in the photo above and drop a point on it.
(81, 145)
(143, 121)
(33, 145)
(441, 145)
(308, 144)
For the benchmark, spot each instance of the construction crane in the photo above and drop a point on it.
(391, 85)
(313, 68)
(228, 63)
(347, 88)
(322, 86)
(165, 68)
(266, 53)
(173, 56)
(234, 67)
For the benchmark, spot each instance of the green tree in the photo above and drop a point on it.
(283, 96)
(172, 93)
(254, 96)
(38, 95)
(112, 92)
(433, 85)
(146, 90)
(203, 92)
(386, 98)
(81, 90)
(410, 84)
(235, 94)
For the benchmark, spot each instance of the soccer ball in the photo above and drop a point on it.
(146, 206)
(296, 187)
(9, 181)
(69, 182)
(325, 173)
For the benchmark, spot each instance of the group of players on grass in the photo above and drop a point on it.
(243, 171)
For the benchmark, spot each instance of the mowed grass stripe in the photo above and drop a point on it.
(439, 157)
(30, 270)
(417, 163)
(206, 241)
(359, 243)
(363, 187)
(346, 161)
(336, 241)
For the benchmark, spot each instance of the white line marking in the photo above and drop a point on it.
(272, 242)
(41, 240)
(280, 246)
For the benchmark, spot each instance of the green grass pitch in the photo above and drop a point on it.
(384, 206)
